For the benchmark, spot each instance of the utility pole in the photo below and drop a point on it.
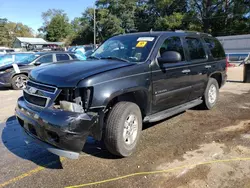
(94, 29)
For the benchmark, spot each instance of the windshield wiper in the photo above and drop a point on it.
(93, 57)
(115, 58)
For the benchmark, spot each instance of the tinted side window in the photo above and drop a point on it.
(173, 44)
(215, 48)
(195, 48)
(46, 59)
(62, 57)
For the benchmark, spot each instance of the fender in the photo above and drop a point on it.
(124, 91)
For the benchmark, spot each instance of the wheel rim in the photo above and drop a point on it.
(130, 130)
(20, 82)
(212, 94)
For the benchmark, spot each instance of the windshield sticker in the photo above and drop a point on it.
(149, 39)
(141, 44)
(16, 68)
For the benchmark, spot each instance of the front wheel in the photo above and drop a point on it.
(123, 128)
(211, 94)
(19, 81)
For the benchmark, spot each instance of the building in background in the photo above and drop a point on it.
(35, 44)
(237, 47)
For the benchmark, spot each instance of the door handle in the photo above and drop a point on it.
(185, 71)
(208, 66)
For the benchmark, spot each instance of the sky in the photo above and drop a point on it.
(29, 12)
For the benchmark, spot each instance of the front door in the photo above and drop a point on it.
(171, 83)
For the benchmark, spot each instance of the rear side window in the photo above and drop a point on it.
(195, 48)
(173, 44)
(215, 48)
(62, 57)
(46, 59)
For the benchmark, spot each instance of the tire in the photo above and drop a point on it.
(19, 81)
(211, 94)
(120, 135)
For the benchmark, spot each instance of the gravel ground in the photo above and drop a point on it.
(183, 146)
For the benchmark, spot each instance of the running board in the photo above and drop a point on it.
(172, 111)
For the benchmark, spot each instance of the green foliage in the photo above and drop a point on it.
(10, 30)
(218, 17)
(56, 26)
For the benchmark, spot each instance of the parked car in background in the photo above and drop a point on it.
(128, 80)
(16, 75)
(5, 51)
(89, 53)
(13, 57)
(83, 51)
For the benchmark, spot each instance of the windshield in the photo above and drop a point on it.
(5, 59)
(29, 59)
(132, 48)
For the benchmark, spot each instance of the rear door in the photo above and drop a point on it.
(198, 58)
(171, 86)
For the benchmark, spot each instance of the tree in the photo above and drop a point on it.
(10, 30)
(56, 26)
(218, 17)
(221, 17)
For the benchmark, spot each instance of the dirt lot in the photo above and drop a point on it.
(194, 149)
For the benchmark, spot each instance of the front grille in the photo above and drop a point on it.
(43, 87)
(36, 100)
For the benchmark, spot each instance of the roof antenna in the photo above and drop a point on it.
(151, 30)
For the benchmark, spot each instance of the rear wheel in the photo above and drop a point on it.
(211, 94)
(19, 81)
(123, 128)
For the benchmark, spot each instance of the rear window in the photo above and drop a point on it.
(62, 57)
(196, 50)
(215, 48)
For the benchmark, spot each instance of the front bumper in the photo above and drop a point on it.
(64, 132)
(5, 79)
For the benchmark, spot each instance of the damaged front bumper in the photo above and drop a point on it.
(63, 133)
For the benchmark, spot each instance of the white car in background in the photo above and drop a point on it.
(4, 51)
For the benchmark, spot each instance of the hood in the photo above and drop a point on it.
(69, 73)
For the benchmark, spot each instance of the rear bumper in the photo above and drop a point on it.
(62, 133)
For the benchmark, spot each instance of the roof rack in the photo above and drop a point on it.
(183, 31)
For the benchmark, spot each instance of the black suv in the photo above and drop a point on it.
(16, 74)
(128, 80)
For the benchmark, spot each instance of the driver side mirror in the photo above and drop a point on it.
(169, 57)
(38, 63)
